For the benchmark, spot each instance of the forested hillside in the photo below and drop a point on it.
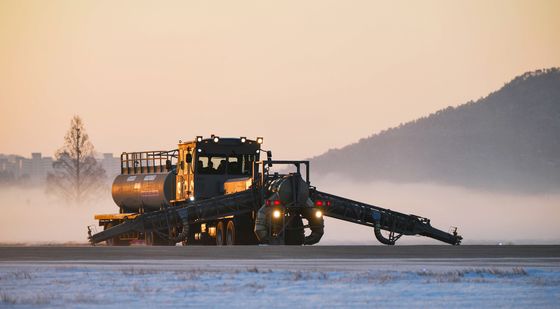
(509, 140)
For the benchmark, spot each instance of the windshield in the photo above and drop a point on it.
(220, 165)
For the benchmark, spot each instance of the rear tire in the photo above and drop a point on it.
(189, 237)
(149, 238)
(244, 230)
(115, 241)
(295, 234)
(220, 234)
(153, 239)
(230, 233)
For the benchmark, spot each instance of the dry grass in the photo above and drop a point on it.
(256, 270)
(36, 299)
(253, 270)
(545, 282)
(7, 299)
(143, 289)
(481, 275)
(82, 298)
(254, 286)
(140, 271)
(516, 271)
(17, 275)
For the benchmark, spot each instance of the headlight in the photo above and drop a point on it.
(191, 198)
(318, 214)
(276, 214)
(243, 139)
(216, 139)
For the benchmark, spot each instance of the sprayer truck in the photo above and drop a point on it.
(218, 191)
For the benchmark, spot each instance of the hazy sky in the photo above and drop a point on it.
(306, 75)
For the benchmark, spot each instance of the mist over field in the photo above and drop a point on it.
(482, 217)
(31, 217)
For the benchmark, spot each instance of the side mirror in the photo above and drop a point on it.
(182, 165)
(188, 158)
(168, 166)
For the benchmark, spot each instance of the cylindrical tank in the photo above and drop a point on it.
(282, 189)
(147, 191)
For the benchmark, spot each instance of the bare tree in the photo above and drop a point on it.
(76, 175)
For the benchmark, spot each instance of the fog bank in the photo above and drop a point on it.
(29, 216)
(482, 217)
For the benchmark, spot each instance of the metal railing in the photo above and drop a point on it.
(147, 161)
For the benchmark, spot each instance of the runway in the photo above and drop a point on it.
(103, 253)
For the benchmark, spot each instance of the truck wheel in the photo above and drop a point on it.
(189, 240)
(153, 239)
(244, 230)
(295, 234)
(230, 233)
(220, 234)
(115, 241)
(187, 236)
(149, 238)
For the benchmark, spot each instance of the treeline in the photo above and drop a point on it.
(509, 140)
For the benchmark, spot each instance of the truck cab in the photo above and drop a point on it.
(206, 166)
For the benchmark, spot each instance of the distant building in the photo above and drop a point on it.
(16, 169)
(111, 165)
(39, 167)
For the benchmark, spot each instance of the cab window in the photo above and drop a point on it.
(219, 165)
(216, 165)
(240, 164)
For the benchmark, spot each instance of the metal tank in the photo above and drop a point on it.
(144, 191)
(282, 189)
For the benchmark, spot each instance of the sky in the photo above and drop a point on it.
(306, 75)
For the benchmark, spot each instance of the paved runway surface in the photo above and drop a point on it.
(102, 253)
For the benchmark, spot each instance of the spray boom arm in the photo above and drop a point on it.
(396, 223)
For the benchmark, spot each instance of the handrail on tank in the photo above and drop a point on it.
(146, 161)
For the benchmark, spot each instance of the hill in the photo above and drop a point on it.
(509, 140)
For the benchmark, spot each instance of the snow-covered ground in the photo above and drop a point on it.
(280, 283)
